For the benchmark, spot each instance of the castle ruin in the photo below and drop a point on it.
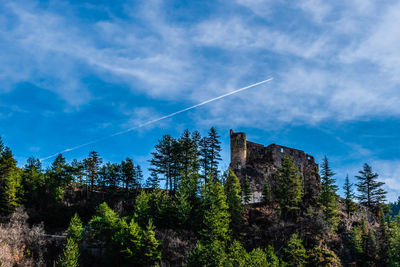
(259, 163)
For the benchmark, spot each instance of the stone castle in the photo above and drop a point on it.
(259, 163)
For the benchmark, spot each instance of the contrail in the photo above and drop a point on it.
(158, 119)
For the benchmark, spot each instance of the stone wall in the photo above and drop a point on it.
(259, 163)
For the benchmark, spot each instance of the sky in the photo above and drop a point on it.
(75, 71)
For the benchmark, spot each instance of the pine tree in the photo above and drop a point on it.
(214, 151)
(138, 177)
(328, 194)
(188, 154)
(328, 187)
(288, 189)
(209, 151)
(204, 158)
(349, 196)
(92, 166)
(234, 201)
(266, 192)
(295, 253)
(70, 256)
(128, 173)
(152, 180)
(11, 190)
(246, 193)
(215, 214)
(75, 228)
(162, 160)
(151, 253)
(370, 190)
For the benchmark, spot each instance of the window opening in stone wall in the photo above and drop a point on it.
(281, 150)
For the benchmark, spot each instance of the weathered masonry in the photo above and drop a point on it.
(259, 163)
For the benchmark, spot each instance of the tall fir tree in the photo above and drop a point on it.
(92, 166)
(162, 162)
(370, 190)
(328, 196)
(266, 192)
(234, 201)
(349, 196)
(214, 151)
(328, 185)
(128, 173)
(246, 192)
(70, 254)
(11, 191)
(288, 189)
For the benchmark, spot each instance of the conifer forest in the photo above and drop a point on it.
(189, 212)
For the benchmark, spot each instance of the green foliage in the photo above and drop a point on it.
(104, 224)
(150, 244)
(370, 190)
(70, 255)
(328, 197)
(11, 191)
(237, 255)
(328, 187)
(210, 254)
(294, 253)
(246, 190)
(266, 193)
(349, 196)
(288, 190)
(142, 209)
(234, 201)
(92, 166)
(272, 259)
(129, 237)
(216, 213)
(75, 228)
(323, 257)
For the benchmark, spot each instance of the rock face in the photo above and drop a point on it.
(259, 163)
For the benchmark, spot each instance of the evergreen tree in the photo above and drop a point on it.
(11, 190)
(288, 189)
(328, 187)
(266, 192)
(138, 177)
(209, 151)
(92, 166)
(234, 201)
(370, 190)
(204, 158)
(215, 214)
(214, 151)
(78, 171)
(349, 196)
(130, 238)
(70, 256)
(75, 228)
(295, 253)
(150, 250)
(152, 180)
(328, 194)
(128, 174)
(162, 161)
(246, 190)
(188, 153)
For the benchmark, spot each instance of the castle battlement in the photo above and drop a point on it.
(259, 163)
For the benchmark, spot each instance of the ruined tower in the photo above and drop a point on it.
(260, 163)
(238, 149)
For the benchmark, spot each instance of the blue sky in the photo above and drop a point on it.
(71, 72)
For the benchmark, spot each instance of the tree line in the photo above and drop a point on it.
(208, 210)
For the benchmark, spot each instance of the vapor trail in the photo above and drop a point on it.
(158, 119)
